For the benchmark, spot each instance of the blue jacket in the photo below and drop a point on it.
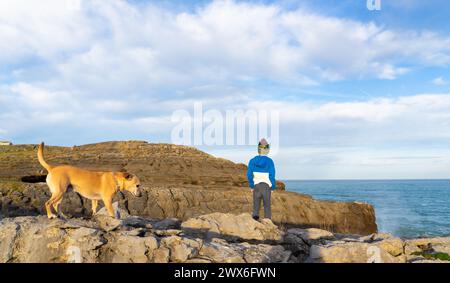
(261, 164)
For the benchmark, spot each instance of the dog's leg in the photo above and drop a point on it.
(94, 206)
(109, 207)
(58, 186)
(53, 190)
(58, 209)
(54, 202)
(49, 206)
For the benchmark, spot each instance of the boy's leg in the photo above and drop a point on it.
(266, 200)
(257, 196)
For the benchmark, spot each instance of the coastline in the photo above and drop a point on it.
(194, 208)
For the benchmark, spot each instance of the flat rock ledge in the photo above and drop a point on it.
(215, 237)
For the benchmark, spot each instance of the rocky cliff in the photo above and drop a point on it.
(179, 181)
(216, 237)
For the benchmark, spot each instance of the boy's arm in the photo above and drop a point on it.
(250, 174)
(272, 175)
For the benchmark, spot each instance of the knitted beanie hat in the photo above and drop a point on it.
(263, 147)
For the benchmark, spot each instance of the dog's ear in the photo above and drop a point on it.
(128, 176)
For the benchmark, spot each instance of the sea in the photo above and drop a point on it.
(404, 208)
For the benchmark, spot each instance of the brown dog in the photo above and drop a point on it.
(90, 184)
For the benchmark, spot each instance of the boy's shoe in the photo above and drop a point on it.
(255, 217)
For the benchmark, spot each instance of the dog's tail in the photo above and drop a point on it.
(41, 157)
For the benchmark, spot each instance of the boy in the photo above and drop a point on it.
(261, 178)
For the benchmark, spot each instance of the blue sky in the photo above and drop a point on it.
(361, 94)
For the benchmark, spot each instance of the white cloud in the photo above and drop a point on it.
(45, 29)
(111, 45)
(376, 121)
(439, 81)
(42, 99)
(380, 121)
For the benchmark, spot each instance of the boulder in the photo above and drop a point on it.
(161, 255)
(31, 239)
(107, 223)
(220, 253)
(241, 226)
(123, 248)
(311, 235)
(263, 253)
(181, 249)
(385, 251)
(40, 240)
(82, 245)
(428, 243)
(416, 248)
(120, 212)
(8, 233)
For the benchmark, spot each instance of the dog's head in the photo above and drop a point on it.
(129, 182)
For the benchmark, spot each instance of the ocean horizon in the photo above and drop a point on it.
(407, 208)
